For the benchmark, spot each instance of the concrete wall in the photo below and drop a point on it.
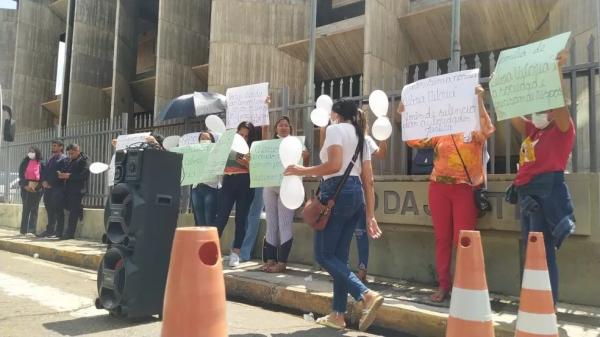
(125, 56)
(34, 76)
(91, 60)
(8, 38)
(243, 43)
(406, 250)
(580, 18)
(183, 42)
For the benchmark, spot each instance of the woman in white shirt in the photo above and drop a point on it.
(354, 202)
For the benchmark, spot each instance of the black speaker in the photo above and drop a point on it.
(142, 217)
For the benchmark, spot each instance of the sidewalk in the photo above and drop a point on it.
(406, 307)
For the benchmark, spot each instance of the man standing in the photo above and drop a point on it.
(54, 193)
(76, 174)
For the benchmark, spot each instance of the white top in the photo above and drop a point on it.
(373, 147)
(344, 134)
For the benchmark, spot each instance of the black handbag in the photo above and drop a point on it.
(482, 203)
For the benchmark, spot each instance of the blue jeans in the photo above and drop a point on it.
(332, 245)
(253, 224)
(204, 202)
(536, 222)
(362, 244)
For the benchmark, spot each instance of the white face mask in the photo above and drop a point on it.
(31, 155)
(205, 141)
(540, 121)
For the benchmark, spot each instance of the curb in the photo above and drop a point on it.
(72, 258)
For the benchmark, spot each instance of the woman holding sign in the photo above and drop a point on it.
(344, 139)
(539, 187)
(279, 237)
(457, 169)
(236, 189)
(204, 195)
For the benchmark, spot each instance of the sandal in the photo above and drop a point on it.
(369, 314)
(324, 321)
(265, 267)
(276, 268)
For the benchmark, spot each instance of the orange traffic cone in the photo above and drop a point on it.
(537, 317)
(195, 304)
(470, 311)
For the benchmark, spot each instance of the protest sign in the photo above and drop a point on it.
(247, 104)
(440, 105)
(189, 139)
(220, 153)
(527, 79)
(265, 167)
(194, 167)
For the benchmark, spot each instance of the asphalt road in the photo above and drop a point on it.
(45, 299)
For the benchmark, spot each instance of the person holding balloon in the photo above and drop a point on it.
(236, 189)
(457, 168)
(355, 201)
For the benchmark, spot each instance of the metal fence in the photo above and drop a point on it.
(94, 138)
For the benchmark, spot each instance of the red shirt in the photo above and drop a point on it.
(544, 151)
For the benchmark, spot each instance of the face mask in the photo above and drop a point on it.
(540, 121)
(31, 155)
(205, 141)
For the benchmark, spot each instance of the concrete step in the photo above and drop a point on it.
(407, 307)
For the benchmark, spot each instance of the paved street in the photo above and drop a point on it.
(44, 299)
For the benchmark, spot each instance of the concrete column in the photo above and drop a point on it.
(91, 65)
(38, 32)
(125, 56)
(183, 41)
(8, 38)
(245, 35)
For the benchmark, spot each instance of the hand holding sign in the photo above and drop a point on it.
(292, 190)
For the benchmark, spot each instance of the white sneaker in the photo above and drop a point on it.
(234, 260)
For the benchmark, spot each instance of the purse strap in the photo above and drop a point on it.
(347, 172)
(461, 160)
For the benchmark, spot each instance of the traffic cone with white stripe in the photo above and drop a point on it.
(537, 317)
(470, 310)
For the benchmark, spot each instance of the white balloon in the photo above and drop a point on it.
(215, 124)
(98, 167)
(291, 192)
(320, 117)
(290, 151)
(171, 142)
(324, 102)
(378, 102)
(382, 128)
(239, 144)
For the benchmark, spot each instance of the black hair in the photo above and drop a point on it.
(73, 147)
(58, 142)
(349, 111)
(159, 138)
(251, 131)
(36, 150)
(210, 135)
(282, 118)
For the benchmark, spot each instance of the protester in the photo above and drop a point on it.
(204, 195)
(378, 150)
(457, 168)
(75, 174)
(279, 237)
(543, 196)
(236, 189)
(343, 139)
(54, 192)
(30, 175)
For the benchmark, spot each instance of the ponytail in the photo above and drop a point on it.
(350, 112)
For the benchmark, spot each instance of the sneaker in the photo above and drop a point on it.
(234, 260)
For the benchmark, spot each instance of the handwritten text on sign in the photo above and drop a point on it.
(265, 166)
(440, 105)
(527, 80)
(194, 168)
(247, 104)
